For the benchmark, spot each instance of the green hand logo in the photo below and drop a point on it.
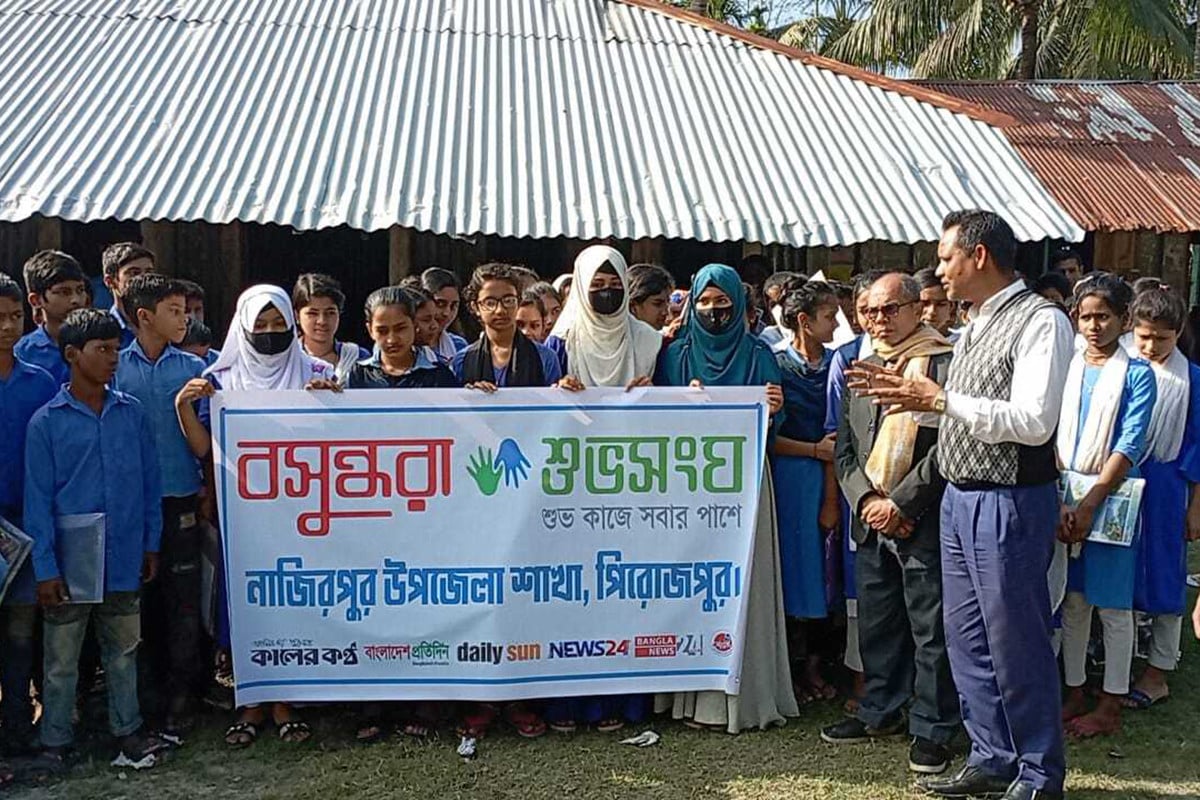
(485, 473)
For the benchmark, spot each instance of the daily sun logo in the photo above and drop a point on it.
(508, 463)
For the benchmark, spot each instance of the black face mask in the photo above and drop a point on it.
(714, 320)
(271, 344)
(606, 301)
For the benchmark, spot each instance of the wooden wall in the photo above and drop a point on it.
(227, 258)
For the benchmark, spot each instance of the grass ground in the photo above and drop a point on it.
(1157, 756)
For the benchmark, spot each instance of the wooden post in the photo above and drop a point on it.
(160, 238)
(224, 283)
(647, 251)
(400, 253)
(49, 233)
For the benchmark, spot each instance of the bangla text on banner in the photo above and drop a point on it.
(444, 544)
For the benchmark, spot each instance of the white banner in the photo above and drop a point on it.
(444, 544)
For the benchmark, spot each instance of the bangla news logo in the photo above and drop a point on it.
(508, 463)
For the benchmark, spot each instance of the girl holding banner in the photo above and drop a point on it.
(714, 348)
(261, 352)
(602, 344)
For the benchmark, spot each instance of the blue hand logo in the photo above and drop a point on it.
(514, 463)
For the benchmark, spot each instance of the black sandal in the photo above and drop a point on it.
(286, 730)
(241, 729)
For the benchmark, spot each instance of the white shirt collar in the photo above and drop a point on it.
(989, 306)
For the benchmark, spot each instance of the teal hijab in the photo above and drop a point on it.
(733, 357)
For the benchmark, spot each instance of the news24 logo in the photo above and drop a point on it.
(590, 648)
(508, 463)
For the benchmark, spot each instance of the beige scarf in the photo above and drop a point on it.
(892, 455)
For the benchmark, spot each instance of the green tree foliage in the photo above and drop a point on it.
(986, 39)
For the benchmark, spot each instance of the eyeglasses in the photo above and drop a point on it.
(887, 311)
(509, 301)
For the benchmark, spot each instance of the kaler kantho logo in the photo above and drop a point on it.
(590, 648)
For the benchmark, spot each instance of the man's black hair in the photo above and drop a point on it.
(928, 278)
(1161, 307)
(147, 291)
(978, 227)
(647, 280)
(11, 289)
(1056, 281)
(197, 334)
(118, 255)
(317, 284)
(48, 268)
(84, 325)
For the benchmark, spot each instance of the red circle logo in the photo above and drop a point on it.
(722, 642)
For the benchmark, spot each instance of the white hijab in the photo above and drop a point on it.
(604, 350)
(1087, 451)
(1165, 436)
(241, 367)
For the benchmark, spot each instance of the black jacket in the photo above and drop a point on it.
(919, 494)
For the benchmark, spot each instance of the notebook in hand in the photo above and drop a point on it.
(1117, 520)
(80, 552)
(14, 549)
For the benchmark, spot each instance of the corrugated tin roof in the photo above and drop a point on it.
(541, 118)
(1118, 156)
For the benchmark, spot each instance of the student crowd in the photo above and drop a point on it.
(910, 493)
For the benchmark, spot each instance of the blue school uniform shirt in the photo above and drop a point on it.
(79, 463)
(804, 398)
(552, 370)
(37, 348)
(843, 357)
(1133, 416)
(127, 333)
(211, 357)
(1106, 574)
(26, 389)
(155, 385)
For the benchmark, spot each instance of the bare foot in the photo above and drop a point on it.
(1075, 705)
(1105, 720)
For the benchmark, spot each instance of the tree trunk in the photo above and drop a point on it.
(1196, 47)
(698, 7)
(1027, 65)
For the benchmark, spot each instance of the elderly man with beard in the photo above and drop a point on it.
(886, 465)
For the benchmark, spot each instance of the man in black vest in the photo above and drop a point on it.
(888, 472)
(998, 413)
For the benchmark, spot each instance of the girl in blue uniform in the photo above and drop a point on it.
(1172, 500)
(807, 503)
(1107, 403)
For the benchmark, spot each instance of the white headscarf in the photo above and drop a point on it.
(602, 350)
(242, 367)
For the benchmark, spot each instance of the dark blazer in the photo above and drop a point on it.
(919, 494)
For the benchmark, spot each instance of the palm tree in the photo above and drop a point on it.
(824, 24)
(990, 39)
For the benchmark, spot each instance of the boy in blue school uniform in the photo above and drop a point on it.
(89, 451)
(57, 286)
(121, 263)
(24, 389)
(153, 369)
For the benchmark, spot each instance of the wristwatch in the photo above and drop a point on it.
(939, 402)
